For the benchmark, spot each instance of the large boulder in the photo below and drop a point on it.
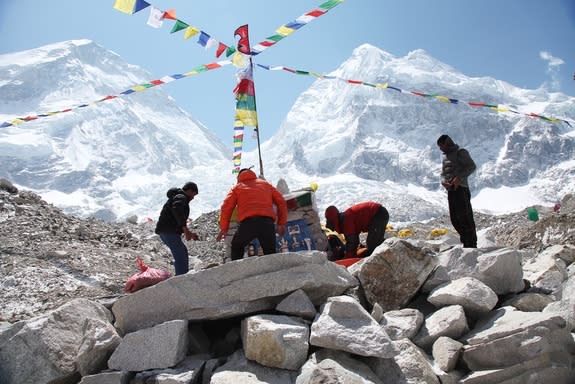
(236, 288)
(499, 269)
(74, 340)
(393, 274)
(509, 343)
(344, 325)
(474, 296)
(162, 346)
(275, 341)
(329, 366)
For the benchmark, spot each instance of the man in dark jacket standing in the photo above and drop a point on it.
(457, 165)
(367, 217)
(172, 223)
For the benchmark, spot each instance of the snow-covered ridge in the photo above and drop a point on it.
(356, 142)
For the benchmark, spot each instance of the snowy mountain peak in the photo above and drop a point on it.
(419, 58)
(357, 142)
(112, 159)
(384, 140)
(48, 52)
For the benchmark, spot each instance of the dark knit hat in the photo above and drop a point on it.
(332, 218)
(190, 185)
(445, 139)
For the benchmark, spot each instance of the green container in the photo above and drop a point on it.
(532, 214)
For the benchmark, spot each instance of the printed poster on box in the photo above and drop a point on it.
(296, 238)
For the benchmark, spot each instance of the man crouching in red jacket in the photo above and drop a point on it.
(367, 217)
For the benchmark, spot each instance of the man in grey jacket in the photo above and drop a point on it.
(457, 165)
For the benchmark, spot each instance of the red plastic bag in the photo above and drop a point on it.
(146, 277)
(348, 262)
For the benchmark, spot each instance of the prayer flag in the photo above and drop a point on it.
(244, 41)
(230, 51)
(140, 4)
(284, 31)
(221, 48)
(211, 42)
(239, 59)
(203, 39)
(126, 6)
(190, 31)
(155, 20)
(178, 26)
(245, 98)
(170, 14)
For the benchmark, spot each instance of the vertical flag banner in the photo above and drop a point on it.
(246, 102)
(244, 41)
(246, 114)
(238, 143)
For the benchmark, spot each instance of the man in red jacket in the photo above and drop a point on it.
(255, 199)
(367, 217)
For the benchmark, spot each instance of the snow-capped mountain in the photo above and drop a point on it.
(356, 142)
(383, 142)
(110, 161)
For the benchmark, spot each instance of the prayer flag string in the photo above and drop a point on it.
(289, 28)
(156, 19)
(245, 102)
(136, 88)
(475, 104)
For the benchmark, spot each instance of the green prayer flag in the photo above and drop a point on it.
(178, 26)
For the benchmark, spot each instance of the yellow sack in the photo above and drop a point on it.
(405, 232)
(436, 232)
(328, 232)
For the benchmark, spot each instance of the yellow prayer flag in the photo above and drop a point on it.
(239, 60)
(249, 118)
(284, 31)
(190, 31)
(126, 6)
(381, 85)
(193, 72)
(443, 99)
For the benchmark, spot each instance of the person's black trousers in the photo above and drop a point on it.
(461, 215)
(376, 231)
(257, 227)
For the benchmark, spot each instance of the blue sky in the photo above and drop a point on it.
(528, 43)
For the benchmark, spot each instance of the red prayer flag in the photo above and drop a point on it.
(221, 48)
(170, 14)
(246, 87)
(244, 41)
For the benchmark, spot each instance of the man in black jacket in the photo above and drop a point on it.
(457, 165)
(173, 222)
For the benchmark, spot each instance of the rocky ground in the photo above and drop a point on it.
(48, 258)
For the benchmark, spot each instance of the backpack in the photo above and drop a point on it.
(336, 247)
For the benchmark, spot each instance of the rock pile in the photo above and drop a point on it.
(418, 310)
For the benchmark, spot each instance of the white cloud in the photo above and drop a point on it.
(553, 64)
